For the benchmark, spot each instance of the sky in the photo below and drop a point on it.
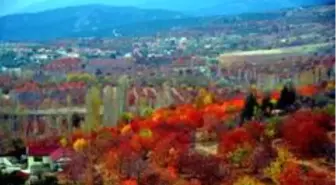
(20, 6)
(17, 6)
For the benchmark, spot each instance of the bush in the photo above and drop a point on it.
(11, 179)
(50, 180)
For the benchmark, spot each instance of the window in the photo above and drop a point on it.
(38, 159)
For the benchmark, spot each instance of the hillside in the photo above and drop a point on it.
(106, 21)
(244, 6)
(321, 17)
(195, 7)
(84, 20)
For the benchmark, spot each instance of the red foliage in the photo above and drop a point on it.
(238, 103)
(324, 120)
(172, 172)
(319, 178)
(256, 129)
(185, 114)
(135, 125)
(207, 169)
(210, 122)
(77, 134)
(111, 160)
(108, 131)
(153, 179)
(163, 153)
(126, 150)
(135, 143)
(146, 142)
(170, 140)
(275, 95)
(231, 140)
(195, 182)
(304, 133)
(291, 175)
(174, 138)
(216, 110)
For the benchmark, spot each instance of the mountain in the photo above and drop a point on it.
(44, 5)
(107, 21)
(197, 7)
(253, 6)
(83, 20)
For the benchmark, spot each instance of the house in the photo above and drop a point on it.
(10, 166)
(40, 156)
(109, 66)
(61, 157)
(5, 80)
(183, 64)
(188, 61)
(41, 57)
(63, 65)
(28, 93)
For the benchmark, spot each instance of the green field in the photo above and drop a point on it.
(304, 49)
(259, 56)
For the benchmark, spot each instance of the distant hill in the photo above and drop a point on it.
(107, 21)
(250, 6)
(43, 5)
(196, 7)
(84, 20)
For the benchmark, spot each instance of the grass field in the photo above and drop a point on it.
(273, 54)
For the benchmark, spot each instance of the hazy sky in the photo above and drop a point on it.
(11, 6)
(14, 6)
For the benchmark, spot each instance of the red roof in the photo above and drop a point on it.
(5, 79)
(41, 150)
(188, 60)
(110, 62)
(71, 85)
(63, 64)
(59, 153)
(28, 87)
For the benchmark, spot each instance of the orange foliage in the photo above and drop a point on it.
(129, 182)
(308, 90)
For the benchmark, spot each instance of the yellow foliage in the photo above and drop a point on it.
(181, 182)
(204, 98)
(146, 133)
(127, 116)
(79, 145)
(274, 170)
(93, 104)
(240, 155)
(208, 99)
(331, 85)
(274, 101)
(64, 142)
(253, 87)
(247, 180)
(75, 77)
(126, 129)
(202, 92)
